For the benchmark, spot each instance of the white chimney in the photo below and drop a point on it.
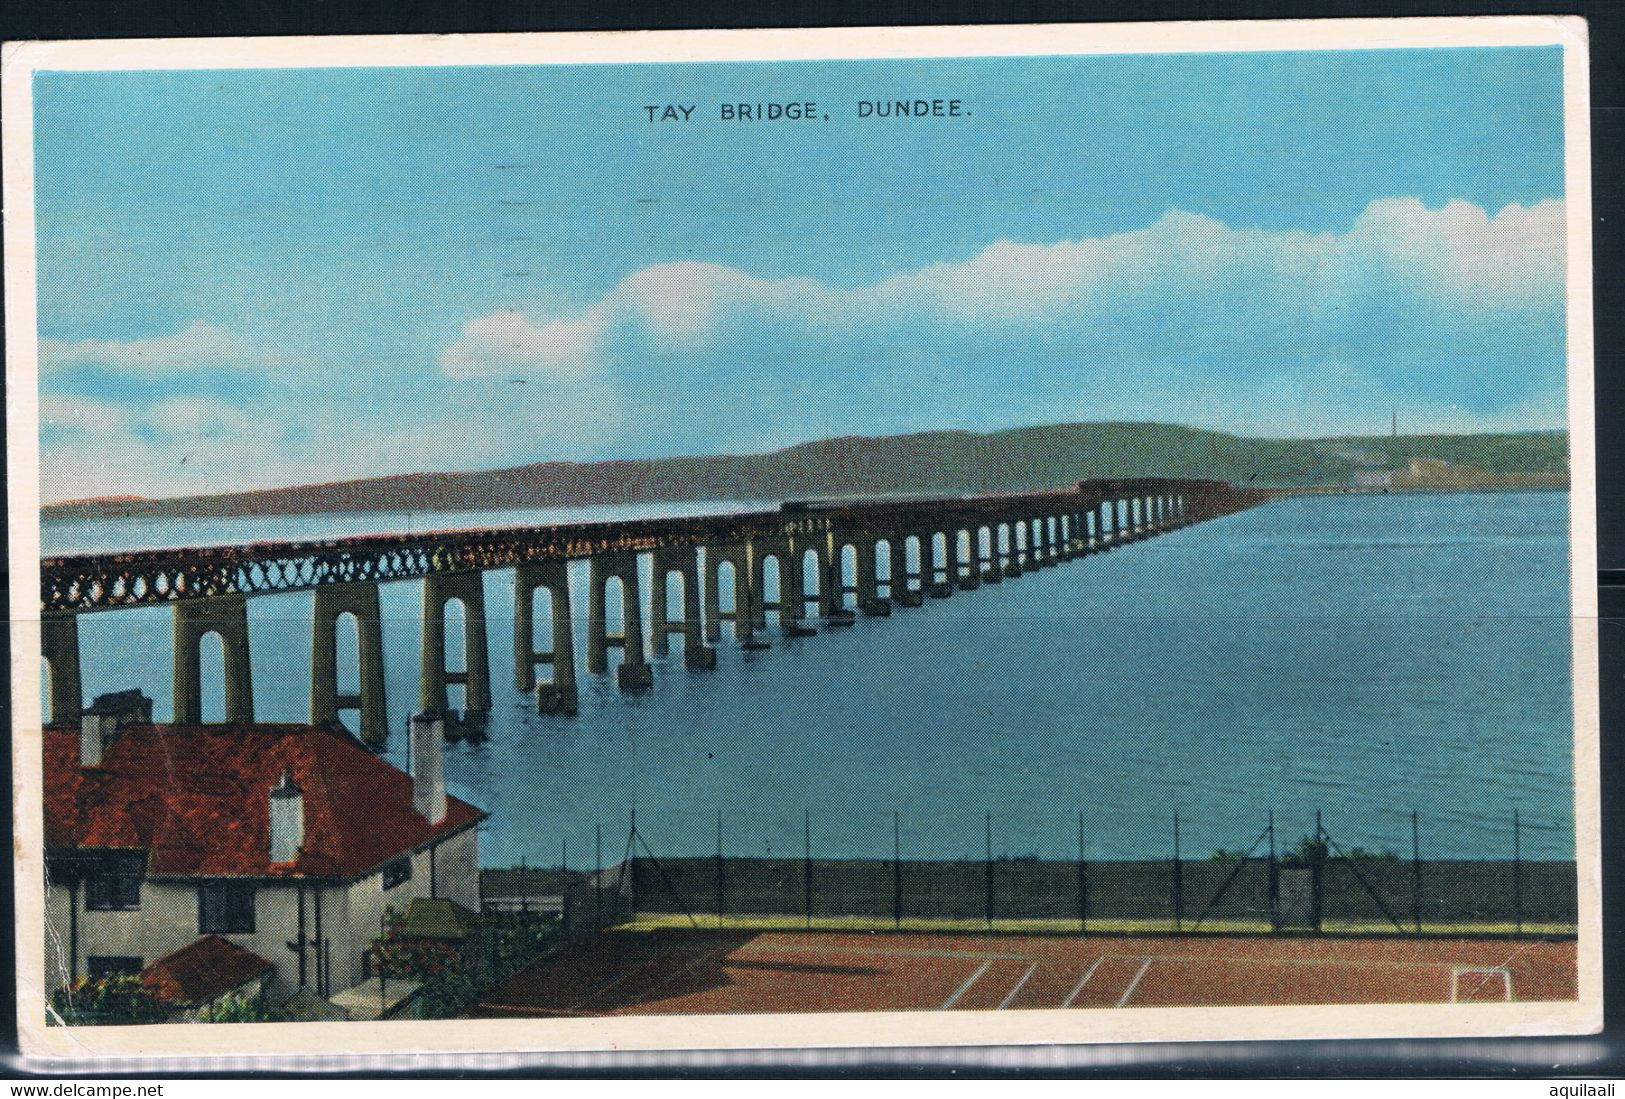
(428, 766)
(287, 820)
(96, 734)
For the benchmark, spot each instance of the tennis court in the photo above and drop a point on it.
(670, 971)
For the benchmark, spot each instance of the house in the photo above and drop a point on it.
(288, 842)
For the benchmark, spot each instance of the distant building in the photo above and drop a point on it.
(194, 853)
(205, 974)
(1373, 478)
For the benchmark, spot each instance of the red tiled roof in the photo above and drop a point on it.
(202, 970)
(197, 798)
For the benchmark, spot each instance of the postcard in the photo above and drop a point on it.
(836, 538)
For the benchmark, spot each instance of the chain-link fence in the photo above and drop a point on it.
(1310, 882)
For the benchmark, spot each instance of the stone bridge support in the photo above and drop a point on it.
(904, 594)
(559, 694)
(361, 601)
(634, 672)
(440, 588)
(792, 602)
(1044, 543)
(743, 616)
(685, 562)
(227, 617)
(936, 572)
(866, 582)
(896, 564)
(832, 579)
(967, 572)
(59, 645)
(988, 567)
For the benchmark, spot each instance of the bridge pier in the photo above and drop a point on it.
(866, 581)
(832, 581)
(743, 616)
(686, 563)
(1077, 535)
(559, 695)
(793, 589)
(988, 566)
(936, 573)
(634, 672)
(966, 575)
(1047, 557)
(361, 601)
(227, 617)
(59, 646)
(440, 588)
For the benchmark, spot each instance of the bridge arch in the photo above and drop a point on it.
(941, 559)
(545, 587)
(212, 678)
(466, 624)
(850, 573)
(772, 590)
(727, 578)
(814, 582)
(615, 576)
(226, 617)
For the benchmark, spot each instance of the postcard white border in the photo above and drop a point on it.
(132, 1046)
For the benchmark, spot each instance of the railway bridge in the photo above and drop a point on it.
(833, 559)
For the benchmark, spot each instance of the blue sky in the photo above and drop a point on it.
(295, 275)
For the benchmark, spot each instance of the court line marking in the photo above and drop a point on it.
(1145, 964)
(1457, 972)
(760, 945)
(1006, 1001)
(1078, 988)
(965, 987)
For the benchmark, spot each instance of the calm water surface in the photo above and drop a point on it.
(1363, 655)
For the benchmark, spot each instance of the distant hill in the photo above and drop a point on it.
(933, 461)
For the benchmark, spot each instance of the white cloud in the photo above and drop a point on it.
(507, 343)
(1456, 255)
(200, 346)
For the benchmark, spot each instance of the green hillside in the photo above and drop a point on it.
(937, 461)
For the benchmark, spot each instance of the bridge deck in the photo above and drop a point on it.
(103, 581)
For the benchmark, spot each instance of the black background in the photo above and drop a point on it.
(76, 19)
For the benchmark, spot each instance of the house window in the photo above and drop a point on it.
(397, 872)
(113, 882)
(225, 908)
(100, 966)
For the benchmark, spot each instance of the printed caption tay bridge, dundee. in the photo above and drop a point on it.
(825, 552)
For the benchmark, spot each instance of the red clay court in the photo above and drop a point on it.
(730, 972)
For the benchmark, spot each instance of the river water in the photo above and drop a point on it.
(1364, 656)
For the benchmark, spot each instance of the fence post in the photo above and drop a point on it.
(1179, 883)
(1416, 873)
(897, 870)
(1517, 870)
(1083, 880)
(598, 877)
(988, 826)
(806, 862)
(1273, 884)
(524, 888)
(1317, 873)
(719, 870)
(564, 883)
